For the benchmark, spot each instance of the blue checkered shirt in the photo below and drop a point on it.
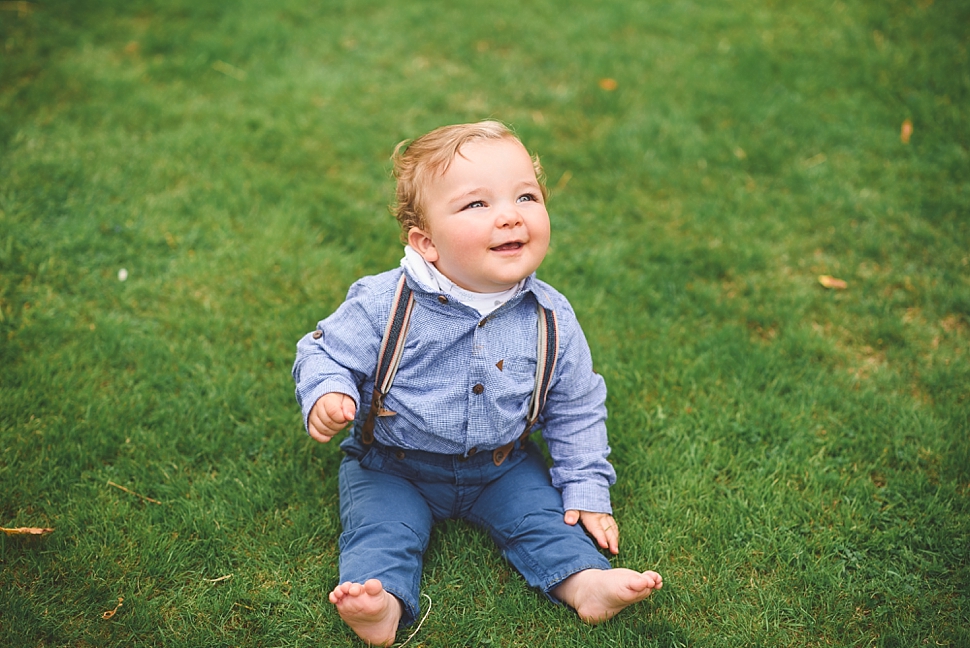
(465, 382)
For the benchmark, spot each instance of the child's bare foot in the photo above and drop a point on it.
(370, 611)
(598, 594)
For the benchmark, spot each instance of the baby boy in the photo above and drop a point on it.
(444, 366)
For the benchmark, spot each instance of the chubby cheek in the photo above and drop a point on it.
(540, 231)
(467, 241)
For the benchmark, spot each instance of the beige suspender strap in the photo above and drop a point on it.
(547, 353)
(389, 357)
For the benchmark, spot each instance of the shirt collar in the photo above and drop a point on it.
(422, 278)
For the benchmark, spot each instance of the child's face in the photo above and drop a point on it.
(488, 225)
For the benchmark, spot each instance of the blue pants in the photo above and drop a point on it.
(390, 498)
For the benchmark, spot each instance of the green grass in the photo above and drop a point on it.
(795, 461)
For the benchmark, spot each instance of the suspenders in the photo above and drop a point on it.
(392, 347)
(389, 357)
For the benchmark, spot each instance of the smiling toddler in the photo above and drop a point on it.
(444, 366)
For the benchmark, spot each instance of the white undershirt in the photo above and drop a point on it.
(432, 279)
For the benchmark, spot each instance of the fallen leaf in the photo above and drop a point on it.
(906, 131)
(608, 84)
(111, 613)
(831, 282)
(26, 531)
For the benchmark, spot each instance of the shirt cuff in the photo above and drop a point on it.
(587, 497)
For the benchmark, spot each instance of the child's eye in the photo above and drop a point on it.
(475, 205)
(527, 197)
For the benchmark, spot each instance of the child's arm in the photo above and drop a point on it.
(573, 423)
(332, 363)
(601, 526)
(330, 414)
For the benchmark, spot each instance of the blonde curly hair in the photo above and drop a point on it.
(417, 161)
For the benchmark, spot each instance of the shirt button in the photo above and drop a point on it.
(442, 299)
(479, 388)
(472, 451)
(317, 334)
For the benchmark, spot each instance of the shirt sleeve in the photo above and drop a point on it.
(574, 423)
(340, 354)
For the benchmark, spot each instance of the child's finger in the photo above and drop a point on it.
(313, 421)
(334, 408)
(612, 533)
(604, 530)
(599, 535)
(318, 426)
(349, 407)
(319, 434)
(349, 410)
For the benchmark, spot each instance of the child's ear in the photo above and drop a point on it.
(422, 243)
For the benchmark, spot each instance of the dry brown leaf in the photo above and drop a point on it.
(906, 131)
(111, 613)
(831, 282)
(26, 531)
(608, 84)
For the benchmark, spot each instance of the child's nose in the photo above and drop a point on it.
(509, 216)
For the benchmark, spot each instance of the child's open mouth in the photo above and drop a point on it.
(507, 247)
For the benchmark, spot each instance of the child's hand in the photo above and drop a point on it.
(330, 414)
(601, 526)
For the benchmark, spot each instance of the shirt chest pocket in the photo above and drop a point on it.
(514, 375)
(513, 365)
(512, 355)
(517, 367)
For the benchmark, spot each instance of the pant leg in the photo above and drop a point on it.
(386, 529)
(523, 512)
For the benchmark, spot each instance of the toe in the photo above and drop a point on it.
(654, 578)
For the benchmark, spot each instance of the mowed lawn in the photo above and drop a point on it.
(187, 187)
